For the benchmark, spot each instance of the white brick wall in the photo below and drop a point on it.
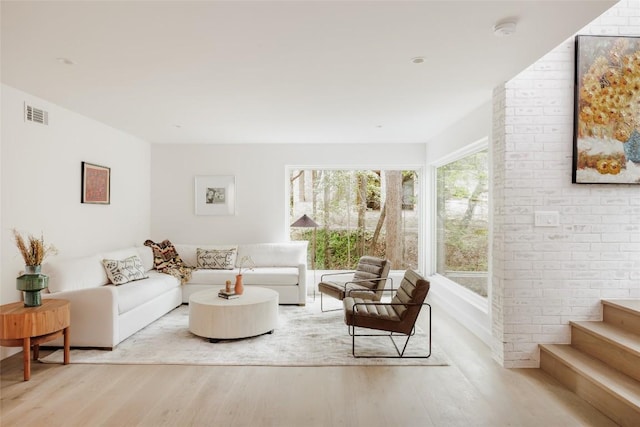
(544, 277)
(498, 248)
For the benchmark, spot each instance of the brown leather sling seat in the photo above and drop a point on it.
(396, 317)
(368, 280)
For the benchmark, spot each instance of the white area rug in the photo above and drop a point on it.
(305, 337)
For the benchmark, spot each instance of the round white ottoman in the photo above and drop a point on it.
(255, 312)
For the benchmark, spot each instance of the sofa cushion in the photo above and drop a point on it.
(135, 294)
(144, 252)
(189, 254)
(289, 254)
(120, 253)
(270, 276)
(124, 271)
(146, 255)
(267, 276)
(75, 273)
(218, 259)
(212, 277)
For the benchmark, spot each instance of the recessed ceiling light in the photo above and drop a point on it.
(65, 61)
(418, 59)
(504, 28)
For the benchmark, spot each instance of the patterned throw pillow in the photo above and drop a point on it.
(166, 260)
(124, 271)
(217, 259)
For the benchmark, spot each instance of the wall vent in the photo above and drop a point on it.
(36, 115)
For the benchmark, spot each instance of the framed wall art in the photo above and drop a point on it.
(215, 195)
(96, 184)
(606, 142)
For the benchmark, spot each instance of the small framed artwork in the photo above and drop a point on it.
(96, 184)
(606, 137)
(215, 195)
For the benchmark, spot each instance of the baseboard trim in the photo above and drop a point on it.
(469, 315)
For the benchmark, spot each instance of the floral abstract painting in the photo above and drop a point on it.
(607, 110)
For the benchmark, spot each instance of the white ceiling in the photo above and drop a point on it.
(276, 71)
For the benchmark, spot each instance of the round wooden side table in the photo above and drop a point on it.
(25, 327)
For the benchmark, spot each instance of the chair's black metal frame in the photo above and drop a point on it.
(352, 332)
(390, 279)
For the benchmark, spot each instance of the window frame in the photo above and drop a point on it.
(421, 194)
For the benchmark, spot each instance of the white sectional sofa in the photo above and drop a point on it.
(278, 266)
(103, 315)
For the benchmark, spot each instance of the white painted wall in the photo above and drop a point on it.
(544, 277)
(261, 207)
(41, 181)
(473, 127)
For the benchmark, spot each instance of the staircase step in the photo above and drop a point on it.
(609, 343)
(622, 312)
(610, 391)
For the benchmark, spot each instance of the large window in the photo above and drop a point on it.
(462, 238)
(359, 212)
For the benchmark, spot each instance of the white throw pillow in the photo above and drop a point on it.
(217, 259)
(124, 271)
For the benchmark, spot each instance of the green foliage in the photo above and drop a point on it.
(373, 191)
(409, 175)
(334, 200)
(466, 246)
(460, 193)
(343, 248)
(457, 179)
(340, 183)
(462, 186)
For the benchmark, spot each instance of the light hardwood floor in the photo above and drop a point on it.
(473, 391)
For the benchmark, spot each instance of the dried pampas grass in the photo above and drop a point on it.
(35, 250)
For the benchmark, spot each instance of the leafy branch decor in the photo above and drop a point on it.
(246, 263)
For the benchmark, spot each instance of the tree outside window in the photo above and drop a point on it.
(360, 212)
(462, 238)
